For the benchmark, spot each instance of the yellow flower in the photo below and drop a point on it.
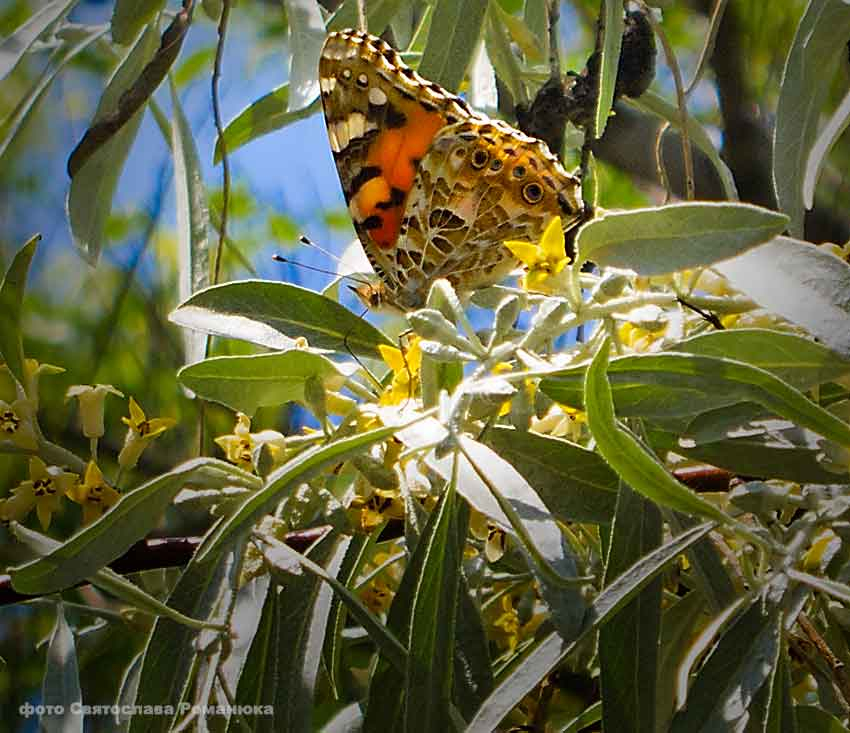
(506, 626)
(406, 366)
(544, 260)
(17, 424)
(91, 405)
(381, 505)
(495, 538)
(377, 596)
(239, 447)
(561, 421)
(43, 490)
(94, 495)
(637, 338)
(141, 431)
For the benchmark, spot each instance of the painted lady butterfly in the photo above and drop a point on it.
(432, 186)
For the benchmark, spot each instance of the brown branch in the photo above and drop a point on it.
(219, 128)
(154, 554)
(133, 98)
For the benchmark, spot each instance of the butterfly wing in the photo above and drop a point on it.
(480, 183)
(381, 118)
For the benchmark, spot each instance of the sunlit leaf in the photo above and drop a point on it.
(613, 25)
(11, 299)
(455, 29)
(306, 34)
(15, 45)
(130, 16)
(60, 690)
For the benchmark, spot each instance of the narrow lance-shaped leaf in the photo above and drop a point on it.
(11, 299)
(267, 114)
(818, 46)
(833, 129)
(129, 16)
(306, 34)
(128, 521)
(612, 38)
(16, 119)
(665, 239)
(302, 467)
(15, 45)
(93, 185)
(193, 247)
(379, 13)
(454, 33)
(60, 689)
(806, 285)
(628, 646)
(553, 649)
(624, 453)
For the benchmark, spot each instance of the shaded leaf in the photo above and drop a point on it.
(93, 185)
(574, 483)
(833, 129)
(613, 25)
(11, 299)
(17, 43)
(245, 383)
(675, 237)
(628, 646)
(130, 16)
(818, 46)
(552, 649)
(379, 13)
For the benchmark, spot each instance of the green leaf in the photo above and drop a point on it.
(294, 472)
(674, 237)
(305, 37)
(613, 26)
(628, 646)
(655, 104)
(762, 454)
(379, 13)
(812, 61)
(294, 653)
(193, 244)
(800, 362)
(813, 719)
(16, 119)
(11, 301)
(107, 580)
(536, 15)
(833, 130)
(502, 57)
(109, 537)
(245, 383)
(739, 664)
(194, 65)
(93, 186)
(839, 591)
(677, 630)
(640, 380)
(552, 649)
(170, 654)
(473, 670)
(60, 688)
(15, 45)
(430, 642)
(638, 468)
(575, 484)
(267, 114)
(130, 16)
(454, 33)
(495, 488)
(273, 314)
(802, 283)
(520, 33)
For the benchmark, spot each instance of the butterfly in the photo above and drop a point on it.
(433, 187)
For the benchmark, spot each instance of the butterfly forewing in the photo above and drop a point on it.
(433, 188)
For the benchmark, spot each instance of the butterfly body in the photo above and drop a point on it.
(433, 188)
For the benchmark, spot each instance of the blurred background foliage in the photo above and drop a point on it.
(109, 324)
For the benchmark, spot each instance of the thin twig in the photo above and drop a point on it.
(659, 161)
(672, 62)
(219, 128)
(708, 48)
(554, 50)
(836, 666)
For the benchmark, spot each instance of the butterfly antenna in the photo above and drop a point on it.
(304, 239)
(313, 268)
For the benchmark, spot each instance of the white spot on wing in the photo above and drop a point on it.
(377, 96)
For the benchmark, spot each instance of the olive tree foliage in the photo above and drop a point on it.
(488, 522)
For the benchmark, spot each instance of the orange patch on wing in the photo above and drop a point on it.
(396, 152)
